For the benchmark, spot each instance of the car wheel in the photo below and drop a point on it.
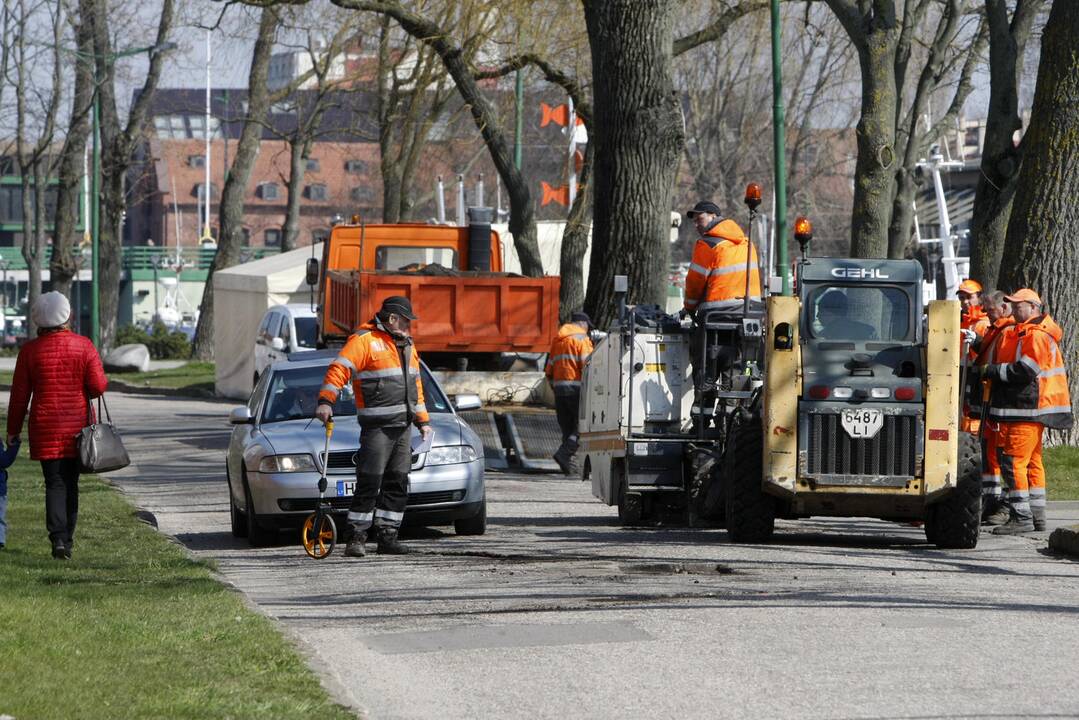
(239, 522)
(475, 525)
(257, 533)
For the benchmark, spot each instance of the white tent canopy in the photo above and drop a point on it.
(242, 295)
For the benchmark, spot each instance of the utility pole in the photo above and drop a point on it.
(779, 132)
(207, 194)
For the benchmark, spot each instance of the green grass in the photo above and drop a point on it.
(190, 376)
(1062, 472)
(131, 627)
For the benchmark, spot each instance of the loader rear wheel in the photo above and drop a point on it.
(751, 512)
(953, 522)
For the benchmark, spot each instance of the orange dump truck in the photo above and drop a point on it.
(470, 311)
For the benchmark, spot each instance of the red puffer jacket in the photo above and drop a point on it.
(61, 372)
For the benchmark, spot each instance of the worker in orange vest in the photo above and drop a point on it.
(382, 364)
(999, 313)
(970, 299)
(1029, 393)
(716, 279)
(565, 369)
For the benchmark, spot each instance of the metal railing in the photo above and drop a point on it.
(144, 257)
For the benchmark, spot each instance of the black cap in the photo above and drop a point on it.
(581, 317)
(704, 206)
(398, 305)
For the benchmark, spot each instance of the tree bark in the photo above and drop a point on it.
(62, 267)
(1039, 250)
(118, 146)
(638, 133)
(1001, 159)
(575, 242)
(232, 196)
(297, 167)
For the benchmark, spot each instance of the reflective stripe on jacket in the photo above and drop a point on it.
(385, 395)
(1030, 383)
(566, 361)
(717, 274)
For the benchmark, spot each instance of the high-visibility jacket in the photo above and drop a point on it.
(566, 361)
(975, 319)
(388, 391)
(983, 352)
(1030, 383)
(717, 274)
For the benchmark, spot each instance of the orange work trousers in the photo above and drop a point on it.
(992, 484)
(1019, 452)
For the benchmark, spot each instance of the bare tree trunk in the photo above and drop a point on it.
(1039, 251)
(62, 266)
(297, 167)
(638, 133)
(118, 146)
(33, 248)
(232, 196)
(33, 264)
(1001, 159)
(575, 242)
(874, 172)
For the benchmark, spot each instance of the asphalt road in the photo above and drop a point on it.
(559, 613)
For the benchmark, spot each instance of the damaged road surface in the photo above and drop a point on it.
(558, 612)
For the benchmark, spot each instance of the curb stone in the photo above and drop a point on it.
(1065, 540)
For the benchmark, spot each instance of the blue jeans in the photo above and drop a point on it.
(3, 519)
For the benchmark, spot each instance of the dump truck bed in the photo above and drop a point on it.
(467, 311)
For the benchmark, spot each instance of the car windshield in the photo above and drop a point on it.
(292, 394)
(307, 332)
(859, 313)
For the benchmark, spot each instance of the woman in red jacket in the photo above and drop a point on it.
(56, 374)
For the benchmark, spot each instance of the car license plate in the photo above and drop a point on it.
(346, 488)
(863, 423)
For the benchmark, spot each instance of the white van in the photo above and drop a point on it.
(284, 329)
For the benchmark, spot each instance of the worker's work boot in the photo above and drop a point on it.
(997, 516)
(1039, 518)
(1015, 526)
(564, 457)
(388, 543)
(355, 547)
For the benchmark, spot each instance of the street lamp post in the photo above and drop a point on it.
(95, 318)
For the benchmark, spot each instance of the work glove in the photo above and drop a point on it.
(969, 336)
(683, 314)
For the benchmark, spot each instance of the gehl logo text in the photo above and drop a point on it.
(851, 273)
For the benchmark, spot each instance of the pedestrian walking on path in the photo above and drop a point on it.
(56, 376)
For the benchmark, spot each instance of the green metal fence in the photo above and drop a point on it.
(143, 257)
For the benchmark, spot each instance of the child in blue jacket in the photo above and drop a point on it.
(7, 457)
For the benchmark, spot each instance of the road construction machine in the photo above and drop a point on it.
(842, 400)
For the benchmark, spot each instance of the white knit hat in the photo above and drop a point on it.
(51, 309)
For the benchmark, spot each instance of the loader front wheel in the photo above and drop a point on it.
(751, 512)
(953, 522)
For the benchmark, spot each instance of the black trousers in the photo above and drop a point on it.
(61, 498)
(566, 409)
(382, 467)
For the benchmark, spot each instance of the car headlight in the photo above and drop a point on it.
(287, 464)
(450, 455)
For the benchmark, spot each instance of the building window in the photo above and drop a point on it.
(268, 191)
(362, 194)
(272, 237)
(317, 192)
(198, 190)
(356, 167)
(246, 237)
(196, 161)
(312, 165)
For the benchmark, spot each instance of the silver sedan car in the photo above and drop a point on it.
(276, 451)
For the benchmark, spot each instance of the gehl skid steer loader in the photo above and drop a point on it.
(859, 412)
(840, 401)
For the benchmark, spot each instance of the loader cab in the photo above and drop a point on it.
(863, 369)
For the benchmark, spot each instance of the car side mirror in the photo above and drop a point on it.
(277, 344)
(467, 402)
(241, 416)
(312, 271)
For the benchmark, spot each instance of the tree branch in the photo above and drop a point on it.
(719, 27)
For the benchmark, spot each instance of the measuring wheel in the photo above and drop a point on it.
(319, 535)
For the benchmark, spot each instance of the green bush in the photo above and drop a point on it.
(163, 345)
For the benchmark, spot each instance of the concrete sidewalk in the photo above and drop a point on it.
(8, 363)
